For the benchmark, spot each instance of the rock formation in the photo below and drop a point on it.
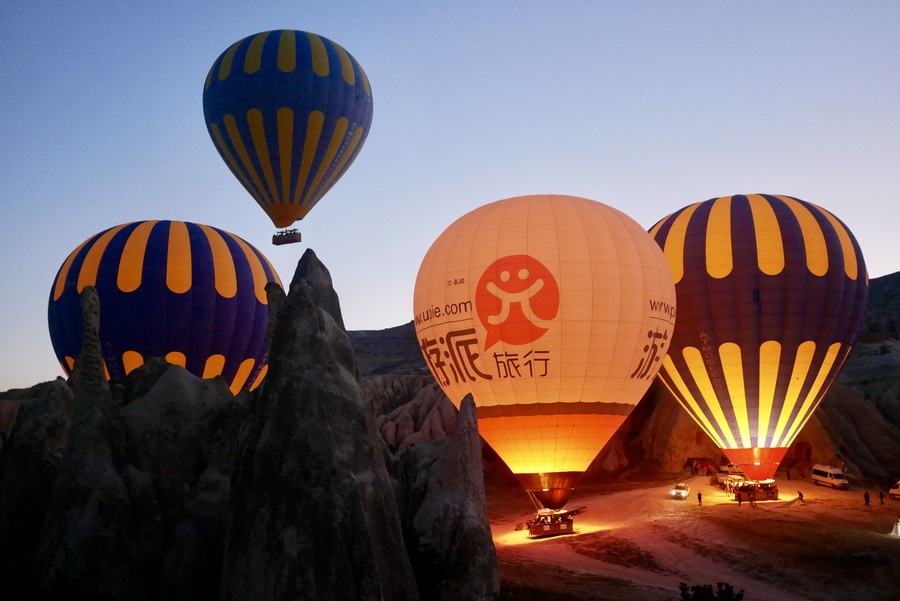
(873, 374)
(313, 511)
(429, 416)
(93, 485)
(166, 486)
(330, 481)
(137, 510)
(170, 485)
(388, 351)
(445, 515)
(181, 433)
(883, 309)
(387, 392)
(34, 446)
(860, 437)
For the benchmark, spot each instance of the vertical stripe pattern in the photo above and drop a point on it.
(771, 295)
(288, 111)
(190, 293)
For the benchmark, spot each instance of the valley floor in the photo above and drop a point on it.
(636, 542)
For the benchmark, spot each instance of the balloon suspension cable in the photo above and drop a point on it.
(290, 236)
(537, 504)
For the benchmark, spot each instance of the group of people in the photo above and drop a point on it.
(549, 519)
(697, 469)
(751, 497)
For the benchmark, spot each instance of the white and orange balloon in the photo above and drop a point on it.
(555, 313)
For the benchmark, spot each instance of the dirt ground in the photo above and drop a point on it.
(636, 542)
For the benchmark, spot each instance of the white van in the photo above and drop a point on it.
(827, 475)
(895, 491)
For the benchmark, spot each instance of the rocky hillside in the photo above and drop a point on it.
(347, 475)
(858, 422)
(883, 311)
(390, 351)
(166, 486)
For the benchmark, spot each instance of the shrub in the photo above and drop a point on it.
(704, 592)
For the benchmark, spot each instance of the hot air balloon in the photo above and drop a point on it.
(771, 296)
(288, 112)
(190, 293)
(554, 312)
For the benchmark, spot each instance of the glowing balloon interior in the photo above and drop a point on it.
(190, 293)
(288, 112)
(771, 297)
(554, 312)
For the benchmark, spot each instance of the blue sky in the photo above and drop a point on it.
(645, 106)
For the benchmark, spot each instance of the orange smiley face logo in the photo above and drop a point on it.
(515, 299)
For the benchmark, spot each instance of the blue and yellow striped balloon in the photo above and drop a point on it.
(190, 293)
(771, 299)
(288, 112)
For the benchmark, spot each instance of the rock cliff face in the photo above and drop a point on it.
(445, 516)
(136, 510)
(389, 351)
(35, 442)
(313, 513)
(166, 486)
(873, 374)
(94, 484)
(883, 309)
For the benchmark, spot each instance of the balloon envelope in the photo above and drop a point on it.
(288, 112)
(554, 312)
(771, 297)
(190, 293)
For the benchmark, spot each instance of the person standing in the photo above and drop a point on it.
(739, 497)
(699, 498)
(881, 496)
(866, 498)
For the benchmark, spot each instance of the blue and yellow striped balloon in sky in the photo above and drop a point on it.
(771, 298)
(288, 112)
(190, 293)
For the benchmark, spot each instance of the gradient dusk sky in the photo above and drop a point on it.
(645, 106)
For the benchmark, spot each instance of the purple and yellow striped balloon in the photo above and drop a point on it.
(190, 293)
(771, 298)
(288, 112)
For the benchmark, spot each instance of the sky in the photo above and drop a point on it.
(644, 106)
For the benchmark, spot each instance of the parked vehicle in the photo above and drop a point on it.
(731, 482)
(827, 475)
(895, 491)
(681, 490)
(730, 468)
